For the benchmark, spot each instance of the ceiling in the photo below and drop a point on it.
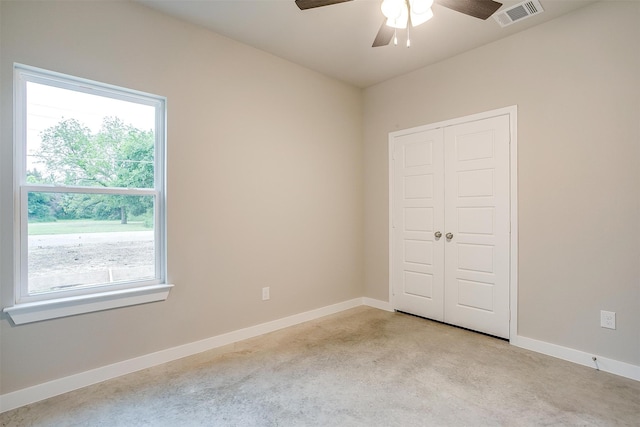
(336, 40)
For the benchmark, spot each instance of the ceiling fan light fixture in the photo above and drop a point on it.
(418, 19)
(402, 20)
(392, 9)
(421, 6)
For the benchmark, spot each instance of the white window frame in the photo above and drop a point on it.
(30, 308)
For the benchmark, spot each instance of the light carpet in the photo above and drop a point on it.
(361, 367)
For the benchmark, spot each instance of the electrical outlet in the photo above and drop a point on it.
(608, 319)
(265, 294)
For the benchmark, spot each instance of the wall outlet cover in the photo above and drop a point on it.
(608, 319)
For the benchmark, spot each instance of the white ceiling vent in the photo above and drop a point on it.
(518, 12)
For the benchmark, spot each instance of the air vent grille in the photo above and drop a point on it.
(518, 12)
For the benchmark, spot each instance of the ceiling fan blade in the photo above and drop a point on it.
(385, 33)
(310, 4)
(481, 9)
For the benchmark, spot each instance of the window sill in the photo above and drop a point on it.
(63, 307)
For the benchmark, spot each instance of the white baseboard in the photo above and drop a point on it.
(605, 364)
(376, 303)
(73, 382)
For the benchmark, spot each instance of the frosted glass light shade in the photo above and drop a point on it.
(402, 20)
(421, 6)
(392, 9)
(417, 19)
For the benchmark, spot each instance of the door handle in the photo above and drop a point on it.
(437, 234)
(449, 236)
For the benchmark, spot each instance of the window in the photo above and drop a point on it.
(90, 196)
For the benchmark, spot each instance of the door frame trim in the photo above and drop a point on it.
(512, 112)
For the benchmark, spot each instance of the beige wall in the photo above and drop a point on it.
(266, 176)
(264, 182)
(576, 81)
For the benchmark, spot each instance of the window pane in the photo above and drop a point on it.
(85, 240)
(75, 138)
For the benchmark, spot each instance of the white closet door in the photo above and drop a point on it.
(417, 256)
(477, 215)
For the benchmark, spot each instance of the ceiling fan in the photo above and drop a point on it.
(411, 13)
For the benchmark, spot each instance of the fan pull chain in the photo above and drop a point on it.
(395, 37)
(408, 36)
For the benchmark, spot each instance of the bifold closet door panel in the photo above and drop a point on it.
(417, 255)
(477, 216)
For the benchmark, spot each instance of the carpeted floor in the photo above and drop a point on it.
(362, 367)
